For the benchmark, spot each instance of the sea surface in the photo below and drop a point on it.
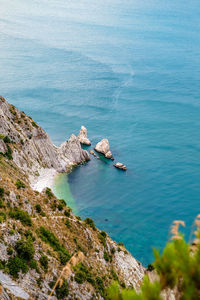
(129, 71)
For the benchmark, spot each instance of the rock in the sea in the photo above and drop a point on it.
(109, 155)
(83, 137)
(104, 148)
(93, 153)
(120, 166)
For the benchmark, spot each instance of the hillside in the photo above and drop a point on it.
(39, 233)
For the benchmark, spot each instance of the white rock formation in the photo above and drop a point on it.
(35, 151)
(83, 137)
(121, 166)
(104, 148)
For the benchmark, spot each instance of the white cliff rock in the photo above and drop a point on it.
(35, 150)
(104, 148)
(121, 166)
(3, 147)
(83, 137)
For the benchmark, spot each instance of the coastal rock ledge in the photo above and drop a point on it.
(32, 149)
(104, 148)
(83, 137)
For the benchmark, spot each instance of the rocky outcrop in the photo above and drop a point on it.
(3, 147)
(83, 137)
(34, 150)
(104, 148)
(34, 155)
(120, 166)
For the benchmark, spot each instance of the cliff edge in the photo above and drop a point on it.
(41, 242)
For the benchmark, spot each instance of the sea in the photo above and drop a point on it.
(129, 71)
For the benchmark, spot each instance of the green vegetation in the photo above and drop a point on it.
(28, 234)
(6, 140)
(19, 184)
(120, 244)
(2, 136)
(102, 237)
(178, 268)
(1, 192)
(49, 192)
(22, 260)
(67, 213)
(82, 274)
(8, 153)
(62, 291)
(67, 223)
(44, 262)
(12, 110)
(9, 250)
(48, 237)
(25, 249)
(61, 204)
(15, 265)
(90, 222)
(106, 256)
(2, 216)
(21, 215)
(34, 124)
(38, 208)
(33, 265)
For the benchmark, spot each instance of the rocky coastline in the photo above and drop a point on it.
(29, 162)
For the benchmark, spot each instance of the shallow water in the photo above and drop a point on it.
(128, 71)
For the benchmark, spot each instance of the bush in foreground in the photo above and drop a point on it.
(178, 268)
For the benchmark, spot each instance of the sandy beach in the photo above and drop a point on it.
(45, 179)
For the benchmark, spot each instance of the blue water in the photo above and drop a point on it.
(129, 71)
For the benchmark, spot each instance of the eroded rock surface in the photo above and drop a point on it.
(36, 151)
(104, 148)
(83, 137)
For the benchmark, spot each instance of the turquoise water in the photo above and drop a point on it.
(129, 71)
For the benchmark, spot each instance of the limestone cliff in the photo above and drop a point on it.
(34, 148)
(41, 241)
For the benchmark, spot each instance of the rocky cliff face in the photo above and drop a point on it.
(41, 240)
(33, 148)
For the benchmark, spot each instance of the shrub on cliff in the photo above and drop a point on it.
(8, 153)
(15, 265)
(6, 140)
(82, 274)
(38, 208)
(1, 192)
(90, 222)
(21, 215)
(48, 237)
(62, 291)
(19, 184)
(49, 192)
(178, 268)
(25, 249)
(44, 262)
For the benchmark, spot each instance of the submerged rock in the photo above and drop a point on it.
(120, 166)
(83, 137)
(104, 148)
(93, 153)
